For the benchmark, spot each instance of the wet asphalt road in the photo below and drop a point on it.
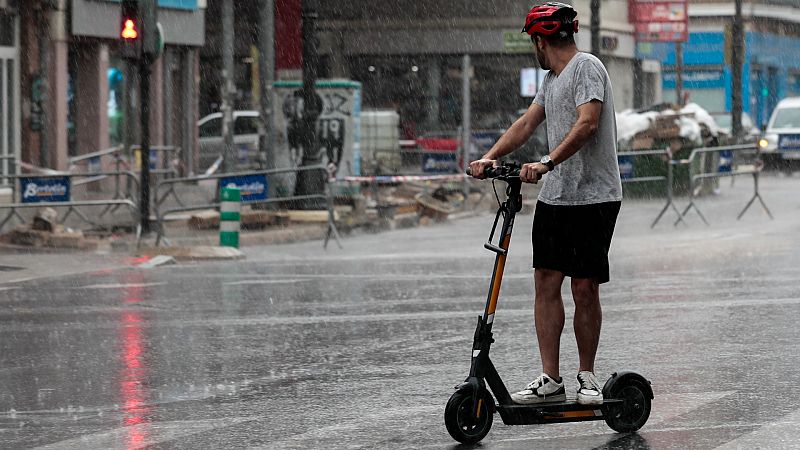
(297, 347)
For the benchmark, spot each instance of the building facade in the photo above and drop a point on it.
(408, 56)
(73, 87)
(771, 69)
(9, 89)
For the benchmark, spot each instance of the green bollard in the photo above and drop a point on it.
(229, 216)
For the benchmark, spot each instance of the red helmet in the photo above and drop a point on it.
(550, 18)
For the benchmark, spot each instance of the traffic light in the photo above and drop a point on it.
(139, 30)
(131, 30)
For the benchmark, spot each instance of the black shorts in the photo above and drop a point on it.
(574, 240)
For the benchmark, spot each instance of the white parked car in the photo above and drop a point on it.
(245, 139)
(782, 135)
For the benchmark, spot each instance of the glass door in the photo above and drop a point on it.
(9, 99)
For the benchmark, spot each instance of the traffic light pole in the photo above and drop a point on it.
(144, 150)
(229, 156)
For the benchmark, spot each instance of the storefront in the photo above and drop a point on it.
(75, 87)
(9, 94)
(771, 71)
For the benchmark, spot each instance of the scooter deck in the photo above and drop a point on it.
(569, 411)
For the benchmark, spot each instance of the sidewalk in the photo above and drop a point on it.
(778, 191)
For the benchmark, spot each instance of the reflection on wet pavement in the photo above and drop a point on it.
(293, 348)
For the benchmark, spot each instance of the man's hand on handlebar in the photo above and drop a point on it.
(477, 167)
(532, 172)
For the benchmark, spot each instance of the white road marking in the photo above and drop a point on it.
(780, 434)
(246, 282)
(670, 406)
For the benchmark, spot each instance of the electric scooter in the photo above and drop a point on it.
(469, 412)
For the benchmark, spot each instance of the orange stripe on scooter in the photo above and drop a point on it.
(566, 414)
(498, 275)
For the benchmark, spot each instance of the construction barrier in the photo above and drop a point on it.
(387, 179)
(254, 191)
(734, 160)
(55, 190)
(627, 164)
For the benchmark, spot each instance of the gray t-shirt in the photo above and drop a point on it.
(592, 174)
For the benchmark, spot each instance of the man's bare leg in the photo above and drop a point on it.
(549, 317)
(588, 320)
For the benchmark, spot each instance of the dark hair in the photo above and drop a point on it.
(560, 39)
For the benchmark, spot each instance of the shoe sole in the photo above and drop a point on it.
(586, 400)
(539, 401)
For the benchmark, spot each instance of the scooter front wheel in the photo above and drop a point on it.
(467, 420)
(634, 410)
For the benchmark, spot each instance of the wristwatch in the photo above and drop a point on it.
(548, 162)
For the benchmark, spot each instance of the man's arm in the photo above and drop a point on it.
(519, 133)
(585, 127)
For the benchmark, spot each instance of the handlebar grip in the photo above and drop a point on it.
(488, 172)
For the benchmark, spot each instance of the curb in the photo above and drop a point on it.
(194, 253)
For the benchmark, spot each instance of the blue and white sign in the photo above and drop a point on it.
(253, 187)
(45, 189)
(725, 161)
(439, 163)
(789, 142)
(625, 167)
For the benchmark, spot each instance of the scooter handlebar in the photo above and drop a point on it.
(502, 171)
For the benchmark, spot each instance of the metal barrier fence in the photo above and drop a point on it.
(55, 191)
(731, 165)
(249, 180)
(625, 160)
(161, 166)
(164, 156)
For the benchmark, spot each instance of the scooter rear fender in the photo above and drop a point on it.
(623, 378)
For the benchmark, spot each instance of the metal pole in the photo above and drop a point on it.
(266, 72)
(737, 47)
(144, 150)
(595, 25)
(310, 182)
(679, 74)
(44, 64)
(188, 109)
(169, 99)
(228, 161)
(466, 113)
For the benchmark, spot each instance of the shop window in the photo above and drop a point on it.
(6, 30)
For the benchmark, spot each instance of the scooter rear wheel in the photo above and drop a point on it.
(464, 423)
(634, 410)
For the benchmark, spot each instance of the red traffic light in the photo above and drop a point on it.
(129, 30)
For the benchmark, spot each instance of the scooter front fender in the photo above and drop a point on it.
(474, 386)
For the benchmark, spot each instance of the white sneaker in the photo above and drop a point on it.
(589, 391)
(541, 390)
